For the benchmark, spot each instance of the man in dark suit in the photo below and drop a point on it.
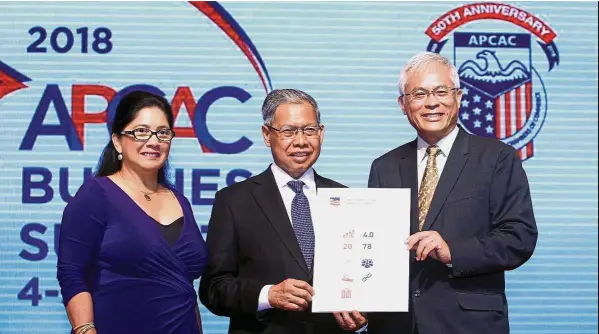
(472, 216)
(260, 235)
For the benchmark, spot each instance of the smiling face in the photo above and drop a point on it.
(433, 117)
(148, 155)
(297, 154)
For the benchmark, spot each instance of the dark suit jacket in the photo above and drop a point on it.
(252, 244)
(483, 210)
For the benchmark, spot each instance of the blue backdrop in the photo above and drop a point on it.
(63, 66)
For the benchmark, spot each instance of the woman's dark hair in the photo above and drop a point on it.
(126, 112)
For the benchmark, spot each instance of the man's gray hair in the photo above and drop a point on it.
(423, 60)
(281, 96)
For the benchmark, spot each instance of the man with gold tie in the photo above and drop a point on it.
(472, 216)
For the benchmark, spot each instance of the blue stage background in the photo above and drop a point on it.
(61, 63)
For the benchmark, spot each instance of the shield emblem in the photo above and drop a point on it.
(496, 77)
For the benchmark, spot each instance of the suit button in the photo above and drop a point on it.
(450, 276)
(416, 293)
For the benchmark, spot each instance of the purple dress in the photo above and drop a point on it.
(112, 249)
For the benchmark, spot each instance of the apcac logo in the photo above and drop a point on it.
(504, 95)
(72, 124)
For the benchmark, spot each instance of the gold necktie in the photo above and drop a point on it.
(428, 185)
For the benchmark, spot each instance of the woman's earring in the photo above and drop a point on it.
(120, 156)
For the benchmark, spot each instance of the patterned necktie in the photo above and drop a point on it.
(428, 185)
(301, 219)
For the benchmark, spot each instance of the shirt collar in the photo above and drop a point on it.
(444, 144)
(281, 178)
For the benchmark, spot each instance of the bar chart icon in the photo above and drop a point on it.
(349, 235)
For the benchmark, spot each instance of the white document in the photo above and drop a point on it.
(360, 259)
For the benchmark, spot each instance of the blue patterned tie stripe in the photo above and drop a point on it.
(301, 219)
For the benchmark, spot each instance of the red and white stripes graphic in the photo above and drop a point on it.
(512, 109)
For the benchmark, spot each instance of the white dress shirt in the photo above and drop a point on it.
(444, 145)
(282, 178)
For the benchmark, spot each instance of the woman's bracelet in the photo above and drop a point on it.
(84, 328)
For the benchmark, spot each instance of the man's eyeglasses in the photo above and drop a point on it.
(289, 133)
(144, 134)
(421, 94)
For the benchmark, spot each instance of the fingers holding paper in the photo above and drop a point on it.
(350, 321)
(429, 243)
(291, 295)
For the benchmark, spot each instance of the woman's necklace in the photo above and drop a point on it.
(146, 194)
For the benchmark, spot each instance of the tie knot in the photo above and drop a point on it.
(297, 186)
(433, 151)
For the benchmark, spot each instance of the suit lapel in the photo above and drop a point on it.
(270, 201)
(451, 172)
(320, 182)
(408, 170)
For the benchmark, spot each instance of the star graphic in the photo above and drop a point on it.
(489, 104)
(476, 98)
(489, 117)
(465, 116)
(465, 90)
(489, 129)
(477, 124)
(465, 103)
(476, 111)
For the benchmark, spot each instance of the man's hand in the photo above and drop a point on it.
(290, 295)
(350, 321)
(429, 243)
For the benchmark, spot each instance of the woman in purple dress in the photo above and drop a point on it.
(129, 247)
